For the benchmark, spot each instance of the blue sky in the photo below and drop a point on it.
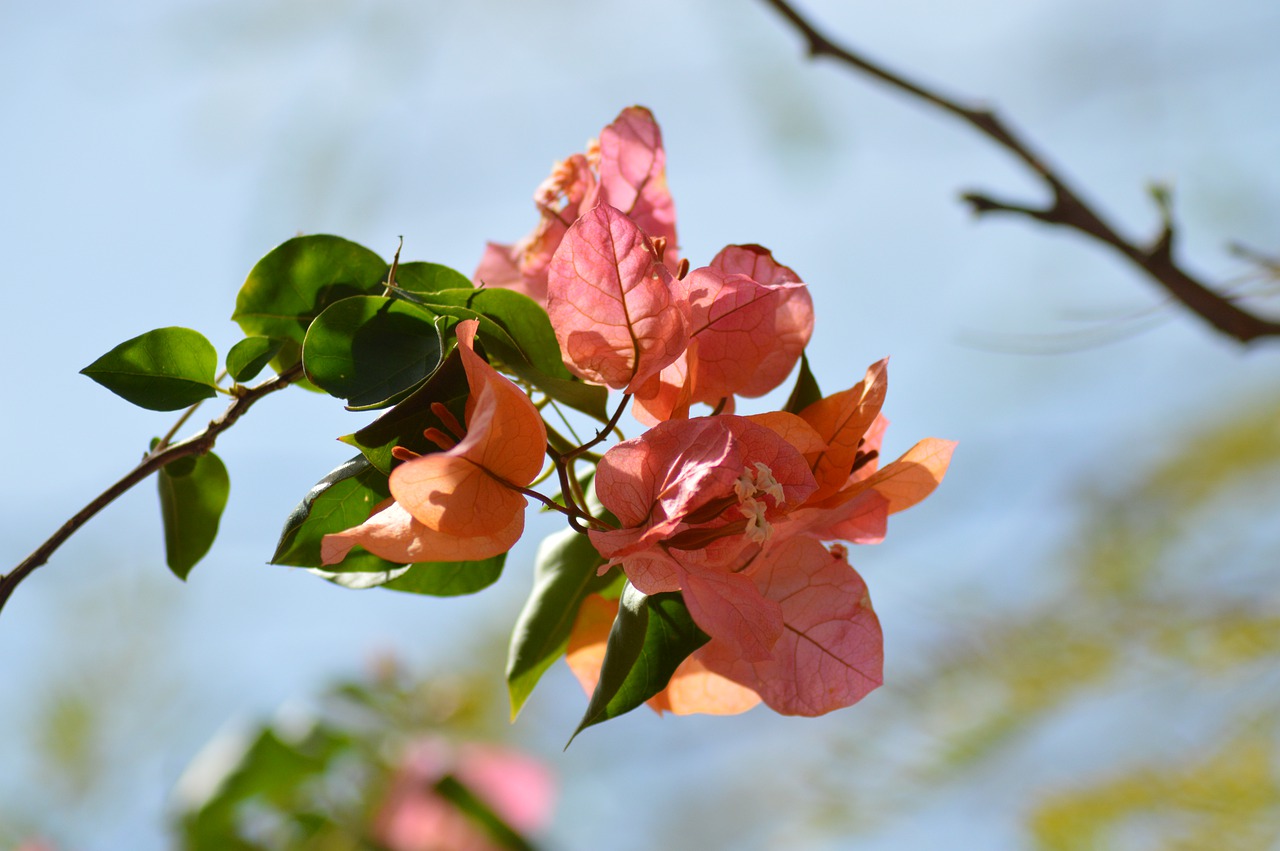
(153, 151)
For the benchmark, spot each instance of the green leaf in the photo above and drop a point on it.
(517, 334)
(370, 350)
(472, 806)
(420, 277)
(806, 391)
(449, 578)
(298, 279)
(247, 357)
(162, 370)
(191, 503)
(651, 636)
(564, 574)
(340, 500)
(404, 424)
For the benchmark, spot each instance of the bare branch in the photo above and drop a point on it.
(1067, 209)
(162, 455)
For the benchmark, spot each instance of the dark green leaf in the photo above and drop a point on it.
(564, 574)
(404, 424)
(247, 357)
(651, 636)
(806, 391)
(339, 501)
(419, 277)
(370, 350)
(298, 279)
(163, 370)
(449, 578)
(191, 504)
(517, 334)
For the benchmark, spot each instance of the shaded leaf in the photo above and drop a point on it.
(405, 423)
(806, 391)
(163, 370)
(564, 575)
(191, 504)
(650, 638)
(516, 333)
(339, 501)
(299, 278)
(370, 350)
(449, 578)
(247, 357)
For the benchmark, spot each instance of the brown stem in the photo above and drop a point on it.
(198, 444)
(1067, 209)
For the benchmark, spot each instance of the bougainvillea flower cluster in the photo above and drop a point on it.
(744, 518)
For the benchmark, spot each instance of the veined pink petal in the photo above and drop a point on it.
(498, 267)
(750, 335)
(610, 303)
(831, 652)
(756, 262)
(665, 396)
(860, 519)
(731, 609)
(633, 176)
(394, 535)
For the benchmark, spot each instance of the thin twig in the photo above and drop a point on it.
(162, 455)
(1067, 209)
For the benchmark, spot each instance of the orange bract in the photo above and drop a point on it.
(460, 504)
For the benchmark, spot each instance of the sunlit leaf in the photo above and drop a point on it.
(298, 279)
(370, 350)
(163, 370)
(247, 357)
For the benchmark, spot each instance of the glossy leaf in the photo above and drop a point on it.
(370, 350)
(405, 423)
(339, 501)
(298, 279)
(247, 357)
(163, 370)
(421, 277)
(650, 638)
(517, 334)
(449, 578)
(461, 503)
(191, 504)
(610, 302)
(564, 574)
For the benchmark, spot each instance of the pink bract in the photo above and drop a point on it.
(610, 303)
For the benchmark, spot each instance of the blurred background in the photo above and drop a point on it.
(1081, 625)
